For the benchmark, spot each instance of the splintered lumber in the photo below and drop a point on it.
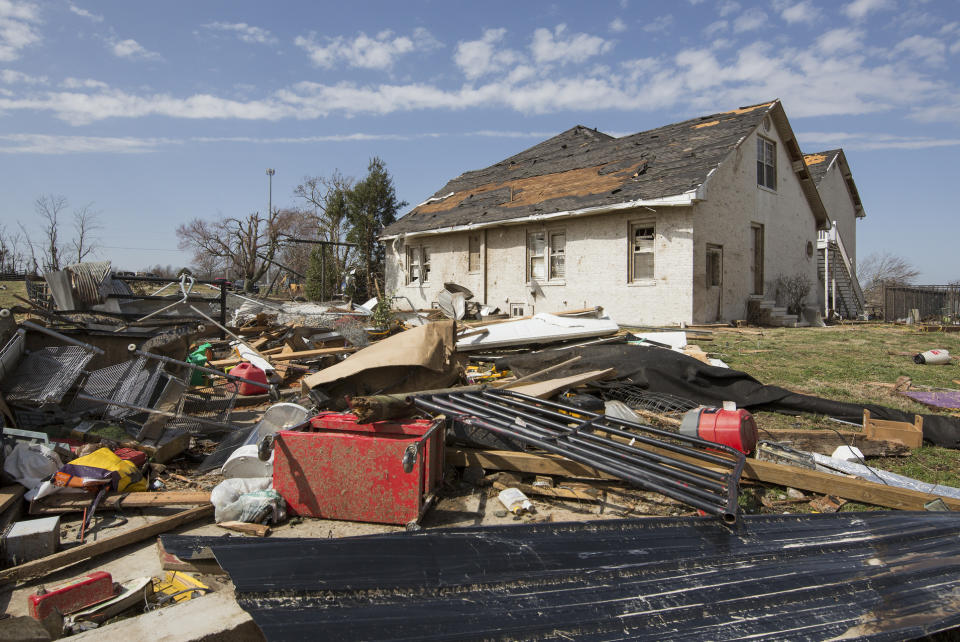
(534, 375)
(260, 530)
(50, 563)
(765, 471)
(75, 503)
(544, 389)
(290, 356)
(9, 495)
(826, 441)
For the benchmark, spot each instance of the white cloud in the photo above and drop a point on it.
(246, 33)
(727, 7)
(617, 25)
(558, 46)
(478, 58)
(11, 77)
(132, 50)
(18, 22)
(804, 11)
(840, 40)
(46, 144)
(85, 14)
(659, 24)
(858, 9)
(749, 20)
(930, 50)
(82, 83)
(378, 52)
(832, 75)
(714, 28)
(869, 141)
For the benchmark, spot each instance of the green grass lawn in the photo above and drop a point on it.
(844, 363)
(7, 298)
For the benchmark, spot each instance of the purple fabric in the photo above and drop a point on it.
(940, 399)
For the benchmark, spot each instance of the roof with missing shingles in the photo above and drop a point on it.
(819, 162)
(583, 168)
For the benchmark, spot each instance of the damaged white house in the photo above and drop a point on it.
(684, 223)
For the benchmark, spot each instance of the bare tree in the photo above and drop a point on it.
(12, 255)
(86, 222)
(884, 267)
(238, 243)
(324, 265)
(50, 208)
(55, 253)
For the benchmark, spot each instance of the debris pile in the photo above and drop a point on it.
(283, 423)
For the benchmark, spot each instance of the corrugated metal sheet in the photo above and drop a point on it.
(882, 576)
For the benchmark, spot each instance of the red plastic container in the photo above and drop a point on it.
(250, 371)
(138, 458)
(734, 428)
(91, 589)
(345, 470)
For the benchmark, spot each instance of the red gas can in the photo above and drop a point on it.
(734, 428)
(249, 371)
(344, 470)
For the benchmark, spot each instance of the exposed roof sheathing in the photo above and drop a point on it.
(583, 168)
(819, 163)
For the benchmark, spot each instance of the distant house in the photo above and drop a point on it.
(837, 246)
(684, 223)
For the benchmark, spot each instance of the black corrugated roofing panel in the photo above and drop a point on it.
(882, 575)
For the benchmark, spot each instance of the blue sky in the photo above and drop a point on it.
(160, 112)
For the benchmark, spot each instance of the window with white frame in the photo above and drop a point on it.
(546, 255)
(642, 235)
(418, 264)
(766, 163)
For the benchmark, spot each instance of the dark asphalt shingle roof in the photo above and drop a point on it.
(583, 168)
(819, 162)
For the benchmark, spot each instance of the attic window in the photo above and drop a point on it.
(766, 163)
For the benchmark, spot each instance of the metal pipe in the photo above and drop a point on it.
(680, 450)
(62, 337)
(603, 465)
(635, 456)
(212, 371)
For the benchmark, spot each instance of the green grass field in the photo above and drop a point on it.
(846, 363)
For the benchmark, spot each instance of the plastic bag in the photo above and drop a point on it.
(30, 464)
(248, 499)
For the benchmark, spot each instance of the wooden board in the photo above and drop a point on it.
(73, 503)
(290, 356)
(46, 565)
(9, 495)
(259, 530)
(765, 471)
(544, 389)
(826, 441)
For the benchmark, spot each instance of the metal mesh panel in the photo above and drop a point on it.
(45, 375)
(638, 398)
(11, 354)
(131, 382)
(216, 405)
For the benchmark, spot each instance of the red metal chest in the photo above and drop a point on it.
(344, 470)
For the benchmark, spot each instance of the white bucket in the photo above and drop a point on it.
(933, 357)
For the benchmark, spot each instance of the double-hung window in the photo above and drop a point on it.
(766, 163)
(418, 264)
(546, 256)
(642, 235)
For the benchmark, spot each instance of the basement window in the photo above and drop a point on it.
(766, 163)
(642, 235)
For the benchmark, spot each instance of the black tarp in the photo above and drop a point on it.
(666, 371)
(879, 576)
